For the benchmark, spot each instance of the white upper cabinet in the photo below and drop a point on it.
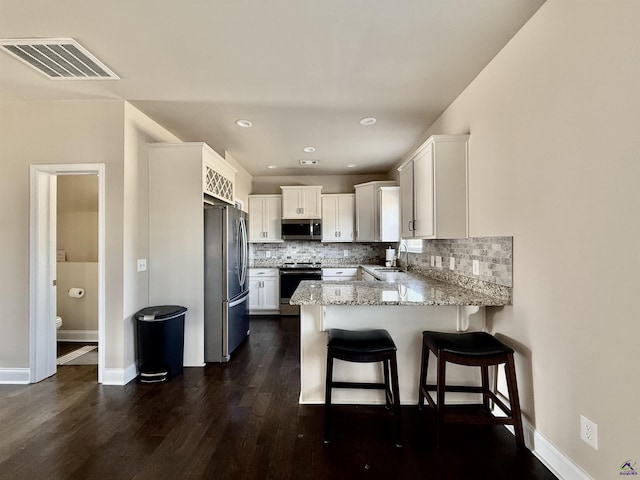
(434, 192)
(338, 217)
(265, 218)
(301, 202)
(377, 212)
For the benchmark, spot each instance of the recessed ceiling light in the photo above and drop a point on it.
(244, 123)
(308, 162)
(367, 121)
(309, 149)
(352, 165)
(272, 166)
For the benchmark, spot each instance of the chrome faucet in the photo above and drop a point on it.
(406, 263)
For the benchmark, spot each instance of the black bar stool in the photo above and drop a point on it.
(478, 349)
(363, 346)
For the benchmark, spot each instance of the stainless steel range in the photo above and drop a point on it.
(291, 274)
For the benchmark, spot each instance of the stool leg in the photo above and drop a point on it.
(424, 364)
(485, 387)
(440, 390)
(396, 399)
(327, 396)
(514, 400)
(387, 385)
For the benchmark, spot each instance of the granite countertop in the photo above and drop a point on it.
(393, 288)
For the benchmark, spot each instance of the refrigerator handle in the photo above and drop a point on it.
(244, 256)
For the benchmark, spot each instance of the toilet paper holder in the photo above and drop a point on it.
(76, 292)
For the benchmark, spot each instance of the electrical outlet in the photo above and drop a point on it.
(433, 261)
(589, 431)
(346, 253)
(476, 267)
(452, 263)
(438, 262)
(142, 264)
(268, 254)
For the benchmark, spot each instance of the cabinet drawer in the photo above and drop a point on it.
(349, 272)
(263, 272)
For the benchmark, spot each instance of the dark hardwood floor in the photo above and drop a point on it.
(232, 421)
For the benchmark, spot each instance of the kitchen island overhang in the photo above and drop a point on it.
(406, 305)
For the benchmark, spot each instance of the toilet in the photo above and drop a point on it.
(58, 322)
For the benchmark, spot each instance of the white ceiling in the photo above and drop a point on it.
(303, 71)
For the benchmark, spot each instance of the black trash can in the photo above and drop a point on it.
(160, 342)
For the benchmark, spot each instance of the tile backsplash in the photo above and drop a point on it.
(494, 255)
(274, 254)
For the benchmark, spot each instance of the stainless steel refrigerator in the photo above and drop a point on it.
(226, 281)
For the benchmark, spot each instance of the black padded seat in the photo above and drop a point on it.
(364, 346)
(363, 342)
(478, 349)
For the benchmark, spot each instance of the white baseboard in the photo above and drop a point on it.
(15, 376)
(77, 335)
(560, 465)
(119, 376)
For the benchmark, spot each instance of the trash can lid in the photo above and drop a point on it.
(160, 312)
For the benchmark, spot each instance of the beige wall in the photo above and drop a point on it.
(52, 133)
(330, 183)
(139, 130)
(77, 220)
(103, 131)
(554, 161)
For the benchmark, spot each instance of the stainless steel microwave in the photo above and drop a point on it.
(302, 229)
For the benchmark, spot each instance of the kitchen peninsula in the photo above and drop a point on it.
(403, 303)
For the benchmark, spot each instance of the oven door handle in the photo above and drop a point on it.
(300, 272)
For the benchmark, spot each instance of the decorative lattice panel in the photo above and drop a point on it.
(218, 185)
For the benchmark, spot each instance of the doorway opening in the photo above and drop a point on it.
(77, 269)
(44, 267)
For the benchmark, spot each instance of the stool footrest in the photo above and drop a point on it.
(366, 385)
(455, 388)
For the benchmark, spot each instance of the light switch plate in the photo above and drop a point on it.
(142, 264)
(438, 261)
(476, 267)
(452, 263)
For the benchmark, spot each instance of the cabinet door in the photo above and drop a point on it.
(365, 210)
(310, 201)
(388, 215)
(407, 214)
(330, 227)
(291, 203)
(345, 218)
(255, 294)
(256, 218)
(265, 217)
(271, 293)
(273, 218)
(424, 193)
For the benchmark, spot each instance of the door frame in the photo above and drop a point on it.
(42, 228)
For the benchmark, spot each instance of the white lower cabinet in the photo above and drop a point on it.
(264, 291)
(340, 274)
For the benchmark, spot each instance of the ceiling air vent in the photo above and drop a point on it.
(58, 58)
